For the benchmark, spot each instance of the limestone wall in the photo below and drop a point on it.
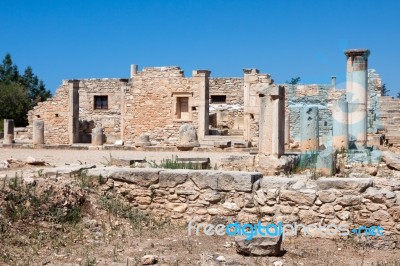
(110, 118)
(151, 104)
(206, 195)
(54, 112)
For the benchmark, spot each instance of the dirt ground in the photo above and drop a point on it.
(104, 236)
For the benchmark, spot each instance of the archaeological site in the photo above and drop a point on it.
(174, 148)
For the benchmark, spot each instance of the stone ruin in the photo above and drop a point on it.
(276, 127)
(252, 114)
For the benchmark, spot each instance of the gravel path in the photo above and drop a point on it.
(98, 157)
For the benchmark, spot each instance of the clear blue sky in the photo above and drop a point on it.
(63, 39)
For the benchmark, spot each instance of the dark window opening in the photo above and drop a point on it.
(218, 98)
(101, 102)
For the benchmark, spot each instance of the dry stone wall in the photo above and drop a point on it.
(151, 104)
(54, 112)
(211, 196)
(90, 117)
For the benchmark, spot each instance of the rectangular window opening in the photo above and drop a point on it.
(218, 98)
(101, 102)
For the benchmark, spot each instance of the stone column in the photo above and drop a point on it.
(340, 139)
(38, 132)
(357, 95)
(334, 82)
(272, 121)
(287, 130)
(73, 116)
(309, 129)
(97, 136)
(250, 78)
(134, 70)
(8, 131)
(201, 78)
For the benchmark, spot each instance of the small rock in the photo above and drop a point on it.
(32, 161)
(149, 260)
(259, 245)
(278, 263)
(220, 258)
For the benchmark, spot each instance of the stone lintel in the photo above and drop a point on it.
(201, 72)
(277, 91)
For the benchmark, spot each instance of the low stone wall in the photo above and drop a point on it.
(222, 196)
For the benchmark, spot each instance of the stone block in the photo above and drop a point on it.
(357, 184)
(259, 246)
(172, 178)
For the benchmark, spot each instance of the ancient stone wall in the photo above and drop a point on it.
(152, 104)
(54, 112)
(91, 117)
(210, 196)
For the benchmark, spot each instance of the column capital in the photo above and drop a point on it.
(357, 52)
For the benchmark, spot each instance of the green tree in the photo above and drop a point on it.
(19, 93)
(293, 81)
(384, 90)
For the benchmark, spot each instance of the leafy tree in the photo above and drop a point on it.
(293, 81)
(19, 93)
(384, 90)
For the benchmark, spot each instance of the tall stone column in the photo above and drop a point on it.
(272, 121)
(8, 131)
(340, 139)
(38, 132)
(357, 95)
(73, 116)
(309, 129)
(134, 70)
(201, 78)
(250, 78)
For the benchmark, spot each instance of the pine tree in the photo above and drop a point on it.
(19, 93)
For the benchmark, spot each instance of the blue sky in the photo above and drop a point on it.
(63, 39)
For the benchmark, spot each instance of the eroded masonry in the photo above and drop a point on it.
(150, 107)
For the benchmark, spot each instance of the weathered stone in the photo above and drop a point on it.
(308, 216)
(259, 246)
(304, 197)
(381, 215)
(143, 140)
(38, 132)
(142, 176)
(391, 159)
(187, 137)
(149, 260)
(358, 184)
(395, 213)
(172, 178)
(326, 196)
(379, 195)
(272, 182)
(177, 207)
(97, 136)
(344, 215)
(326, 209)
(349, 200)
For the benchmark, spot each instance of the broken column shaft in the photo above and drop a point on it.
(340, 139)
(309, 129)
(38, 132)
(8, 131)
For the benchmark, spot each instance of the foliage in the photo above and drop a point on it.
(174, 163)
(293, 81)
(19, 93)
(384, 90)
